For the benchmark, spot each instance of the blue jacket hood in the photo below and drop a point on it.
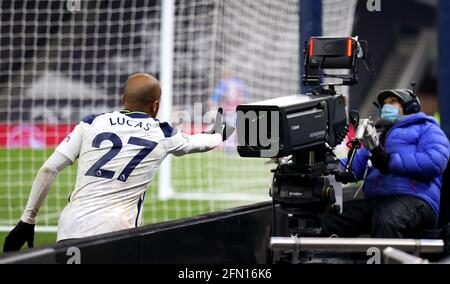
(415, 119)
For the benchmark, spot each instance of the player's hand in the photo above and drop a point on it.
(21, 234)
(221, 127)
(380, 160)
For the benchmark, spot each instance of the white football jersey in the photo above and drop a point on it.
(118, 155)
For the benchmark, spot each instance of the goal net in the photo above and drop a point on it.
(62, 60)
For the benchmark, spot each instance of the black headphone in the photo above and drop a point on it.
(410, 102)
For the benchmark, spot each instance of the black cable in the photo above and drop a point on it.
(346, 167)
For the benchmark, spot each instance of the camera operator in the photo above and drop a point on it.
(402, 176)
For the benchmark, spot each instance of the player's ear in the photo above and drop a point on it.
(123, 99)
(155, 108)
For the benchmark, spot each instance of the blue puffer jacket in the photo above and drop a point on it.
(419, 155)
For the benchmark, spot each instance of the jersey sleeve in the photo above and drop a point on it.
(42, 184)
(180, 144)
(71, 145)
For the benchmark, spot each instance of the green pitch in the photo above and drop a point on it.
(213, 174)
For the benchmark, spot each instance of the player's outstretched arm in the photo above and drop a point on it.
(180, 144)
(221, 127)
(24, 231)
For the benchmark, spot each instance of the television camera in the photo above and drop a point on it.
(300, 132)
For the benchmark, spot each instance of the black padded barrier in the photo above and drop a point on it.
(235, 236)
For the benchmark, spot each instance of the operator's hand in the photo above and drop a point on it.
(371, 140)
(221, 127)
(21, 234)
(380, 160)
